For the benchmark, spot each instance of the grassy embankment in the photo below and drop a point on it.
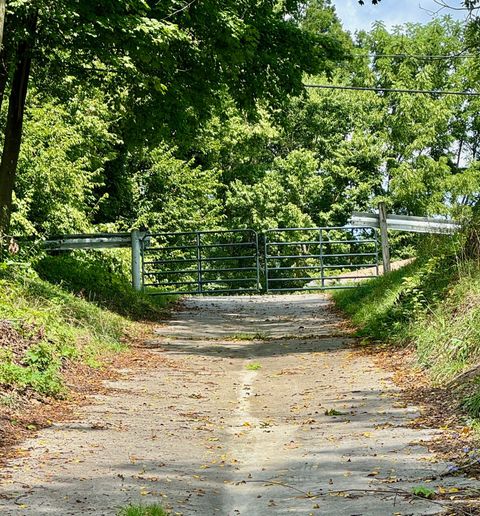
(434, 304)
(67, 311)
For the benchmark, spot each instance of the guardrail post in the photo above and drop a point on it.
(382, 219)
(136, 261)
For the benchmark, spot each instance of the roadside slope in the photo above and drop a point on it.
(432, 305)
(55, 338)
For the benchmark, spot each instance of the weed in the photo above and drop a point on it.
(40, 357)
(254, 366)
(46, 382)
(251, 336)
(142, 510)
(472, 405)
(10, 400)
(423, 492)
(333, 412)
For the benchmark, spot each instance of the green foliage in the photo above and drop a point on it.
(195, 120)
(471, 404)
(158, 70)
(63, 156)
(448, 340)
(142, 510)
(96, 279)
(383, 308)
(47, 382)
(423, 492)
(283, 198)
(174, 195)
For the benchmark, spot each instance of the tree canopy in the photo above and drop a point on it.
(193, 115)
(161, 66)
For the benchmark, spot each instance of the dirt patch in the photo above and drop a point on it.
(440, 408)
(24, 414)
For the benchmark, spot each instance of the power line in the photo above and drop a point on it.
(393, 90)
(420, 56)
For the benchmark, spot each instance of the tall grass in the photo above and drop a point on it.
(433, 303)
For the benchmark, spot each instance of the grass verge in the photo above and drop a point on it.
(46, 327)
(98, 279)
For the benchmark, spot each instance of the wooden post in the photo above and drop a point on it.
(382, 219)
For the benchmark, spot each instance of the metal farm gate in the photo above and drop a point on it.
(233, 262)
(201, 262)
(319, 258)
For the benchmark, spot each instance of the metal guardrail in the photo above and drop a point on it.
(103, 241)
(406, 223)
(88, 241)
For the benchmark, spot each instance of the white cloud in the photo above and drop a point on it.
(391, 12)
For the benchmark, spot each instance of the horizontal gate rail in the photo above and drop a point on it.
(290, 256)
(201, 262)
(309, 259)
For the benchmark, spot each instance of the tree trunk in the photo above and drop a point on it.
(3, 53)
(13, 130)
(3, 8)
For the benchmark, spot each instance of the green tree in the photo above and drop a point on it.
(165, 65)
(282, 198)
(174, 195)
(61, 163)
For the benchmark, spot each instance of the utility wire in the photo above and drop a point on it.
(393, 90)
(419, 56)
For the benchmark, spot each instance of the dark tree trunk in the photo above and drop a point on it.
(3, 8)
(13, 129)
(3, 57)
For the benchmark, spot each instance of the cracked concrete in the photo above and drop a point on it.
(235, 423)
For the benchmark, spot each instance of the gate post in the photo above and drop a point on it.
(382, 219)
(136, 261)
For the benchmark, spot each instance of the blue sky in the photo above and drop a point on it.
(392, 12)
